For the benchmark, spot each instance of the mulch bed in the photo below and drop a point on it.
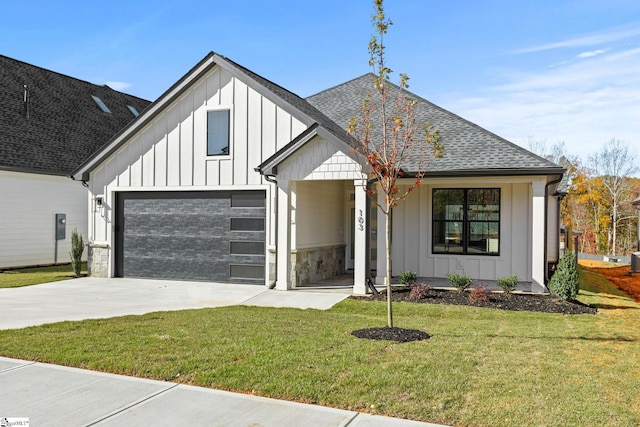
(391, 334)
(543, 303)
(623, 280)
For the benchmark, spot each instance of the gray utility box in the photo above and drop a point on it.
(61, 226)
(635, 262)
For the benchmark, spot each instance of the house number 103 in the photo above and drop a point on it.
(360, 220)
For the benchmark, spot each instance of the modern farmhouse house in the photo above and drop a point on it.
(49, 123)
(229, 177)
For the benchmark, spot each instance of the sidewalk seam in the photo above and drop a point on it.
(13, 368)
(352, 419)
(131, 405)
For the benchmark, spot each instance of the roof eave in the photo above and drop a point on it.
(494, 172)
(33, 171)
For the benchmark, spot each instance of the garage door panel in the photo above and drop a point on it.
(188, 235)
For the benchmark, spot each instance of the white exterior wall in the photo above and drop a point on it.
(411, 229)
(170, 153)
(319, 214)
(28, 204)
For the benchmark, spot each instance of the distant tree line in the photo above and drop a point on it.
(600, 192)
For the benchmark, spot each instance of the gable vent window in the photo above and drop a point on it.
(133, 110)
(218, 133)
(101, 104)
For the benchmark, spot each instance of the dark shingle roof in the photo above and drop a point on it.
(64, 126)
(297, 102)
(468, 148)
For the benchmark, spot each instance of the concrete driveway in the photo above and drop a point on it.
(95, 298)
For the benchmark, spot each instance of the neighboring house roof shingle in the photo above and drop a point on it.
(64, 124)
(468, 148)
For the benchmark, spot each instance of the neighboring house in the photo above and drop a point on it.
(228, 177)
(49, 123)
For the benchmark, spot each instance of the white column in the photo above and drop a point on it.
(538, 263)
(381, 267)
(283, 239)
(361, 237)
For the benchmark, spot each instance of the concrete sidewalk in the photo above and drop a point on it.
(70, 397)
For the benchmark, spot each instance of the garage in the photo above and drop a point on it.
(216, 236)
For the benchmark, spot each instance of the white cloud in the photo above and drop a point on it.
(583, 103)
(120, 86)
(593, 39)
(592, 53)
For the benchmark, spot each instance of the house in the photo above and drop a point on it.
(230, 177)
(49, 123)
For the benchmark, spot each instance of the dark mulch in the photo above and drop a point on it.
(391, 334)
(543, 303)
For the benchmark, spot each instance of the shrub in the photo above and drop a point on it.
(508, 284)
(460, 282)
(564, 282)
(479, 294)
(77, 248)
(419, 291)
(408, 277)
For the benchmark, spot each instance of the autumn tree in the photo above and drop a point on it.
(614, 165)
(388, 135)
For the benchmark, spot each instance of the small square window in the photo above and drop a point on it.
(218, 133)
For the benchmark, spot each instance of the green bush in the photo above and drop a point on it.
(77, 248)
(564, 283)
(508, 284)
(460, 282)
(408, 277)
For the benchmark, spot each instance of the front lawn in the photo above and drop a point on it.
(37, 275)
(482, 367)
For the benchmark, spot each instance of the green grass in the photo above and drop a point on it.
(37, 275)
(481, 367)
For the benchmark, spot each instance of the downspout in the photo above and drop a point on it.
(272, 179)
(546, 228)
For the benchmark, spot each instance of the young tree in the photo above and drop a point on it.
(388, 135)
(614, 165)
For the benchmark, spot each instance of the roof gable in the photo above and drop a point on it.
(288, 101)
(61, 124)
(468, 148)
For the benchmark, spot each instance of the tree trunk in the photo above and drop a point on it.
(387, 276)
(614, 223)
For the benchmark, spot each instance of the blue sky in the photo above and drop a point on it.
(544, 71)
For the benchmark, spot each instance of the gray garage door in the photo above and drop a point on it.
(212, 236)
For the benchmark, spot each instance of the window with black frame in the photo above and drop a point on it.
(466, 221)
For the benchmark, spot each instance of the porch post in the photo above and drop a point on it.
(361, 239)
(381, 266)
(283, 238)
(538, 263)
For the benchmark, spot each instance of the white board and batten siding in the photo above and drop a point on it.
(412, 246)
(169, 154)
(28, 205)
